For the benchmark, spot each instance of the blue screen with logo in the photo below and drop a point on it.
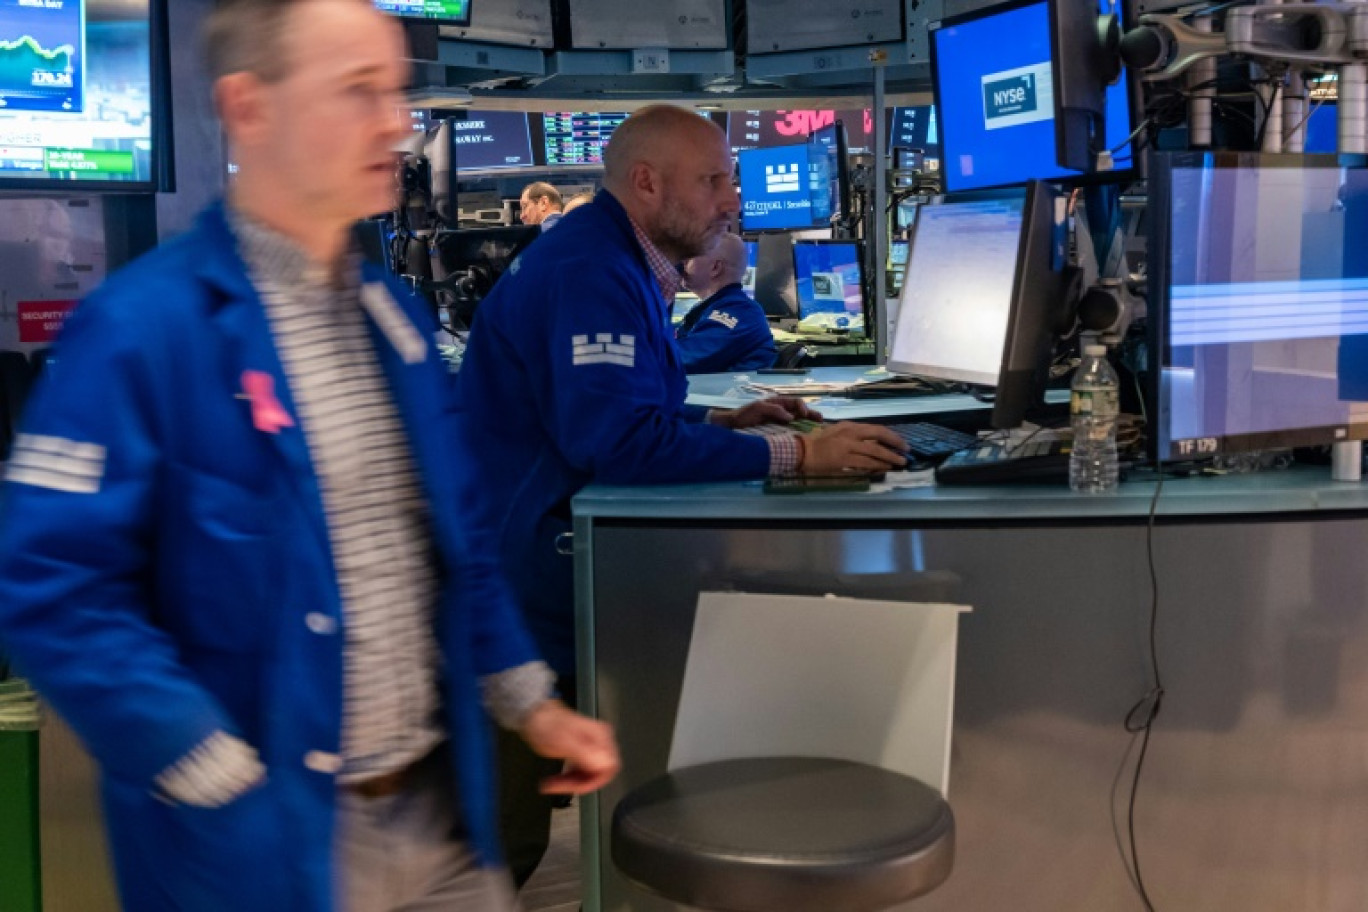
(827, 278)
(775, 194)
(995, 97)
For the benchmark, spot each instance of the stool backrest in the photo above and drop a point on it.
(853, 679)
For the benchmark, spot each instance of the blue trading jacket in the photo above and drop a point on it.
(164, 563)
(572, 376)
(727, 332)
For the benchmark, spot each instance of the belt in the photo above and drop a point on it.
(389, 784)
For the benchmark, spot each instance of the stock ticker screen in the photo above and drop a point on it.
(578, 137)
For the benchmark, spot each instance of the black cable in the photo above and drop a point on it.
(1140, 720)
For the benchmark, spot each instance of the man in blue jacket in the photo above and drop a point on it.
(237, 550)
(727, 330)
(573, 376)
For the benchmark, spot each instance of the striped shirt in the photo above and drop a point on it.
(376, 514)
(378, 529)
(785, 451)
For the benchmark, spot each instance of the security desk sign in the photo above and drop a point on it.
(41, 321)
(1020, 96)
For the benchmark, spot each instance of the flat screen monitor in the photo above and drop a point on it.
(828, 279)
(1322, 129)
(578, 137)
(829, 174)
(994, 94)
(981, 296)
(774, 275)
(752, 254)
(1258, 302)
(82, 95)
(448, 12)
(482, 255)
(491, 140)
(914, 128)
(775, 194)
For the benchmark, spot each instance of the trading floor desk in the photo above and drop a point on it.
(732, 390)
(1254, 794)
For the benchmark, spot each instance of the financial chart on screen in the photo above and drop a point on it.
(75, 91)
(578, 137)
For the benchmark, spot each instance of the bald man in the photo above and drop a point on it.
(727, 331)
(573, 377)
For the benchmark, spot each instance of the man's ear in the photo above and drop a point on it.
(240, 99)
(644, 181)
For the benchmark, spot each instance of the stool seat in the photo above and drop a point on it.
(785, 834)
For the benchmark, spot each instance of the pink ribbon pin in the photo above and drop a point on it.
(268, 414)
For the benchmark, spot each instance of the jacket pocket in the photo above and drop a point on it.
(223, 557)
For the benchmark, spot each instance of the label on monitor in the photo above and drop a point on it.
(1019, 96)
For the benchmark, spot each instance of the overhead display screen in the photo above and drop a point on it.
(76, 97)
(455, 12)
(487, 140)
(578, 137)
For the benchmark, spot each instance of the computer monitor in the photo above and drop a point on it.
(1086, 61)
(1258, 303)
(828, 278)
(775, 194)
(1322, 129)
(982, 295)
(829, 174)
(991, 71)
(374, 237)
(491, 141)
(752, 254)
(471, 260)
(774, 287)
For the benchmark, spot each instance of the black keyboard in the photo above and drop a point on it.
(999, 463)
(931, 441)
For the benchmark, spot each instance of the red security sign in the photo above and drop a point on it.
(41, 321)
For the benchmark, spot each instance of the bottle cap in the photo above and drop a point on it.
(1095, 351)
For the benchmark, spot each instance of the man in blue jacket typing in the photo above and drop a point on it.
(727, 330)
(237, 549)
(573, 376)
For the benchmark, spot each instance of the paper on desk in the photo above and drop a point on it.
(922, 478)
(854, 679)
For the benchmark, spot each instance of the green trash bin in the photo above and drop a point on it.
(20, 871)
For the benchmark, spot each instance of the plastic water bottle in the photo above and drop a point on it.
(1094, 407)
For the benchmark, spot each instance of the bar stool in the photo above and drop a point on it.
(799, 797)
(785, 834)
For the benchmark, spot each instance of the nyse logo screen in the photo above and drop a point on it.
(1020, 96)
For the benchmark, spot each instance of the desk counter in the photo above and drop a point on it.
(1254, 794)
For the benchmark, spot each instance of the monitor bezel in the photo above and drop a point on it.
(1117, 175)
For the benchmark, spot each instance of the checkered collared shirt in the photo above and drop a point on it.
(785, 452)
